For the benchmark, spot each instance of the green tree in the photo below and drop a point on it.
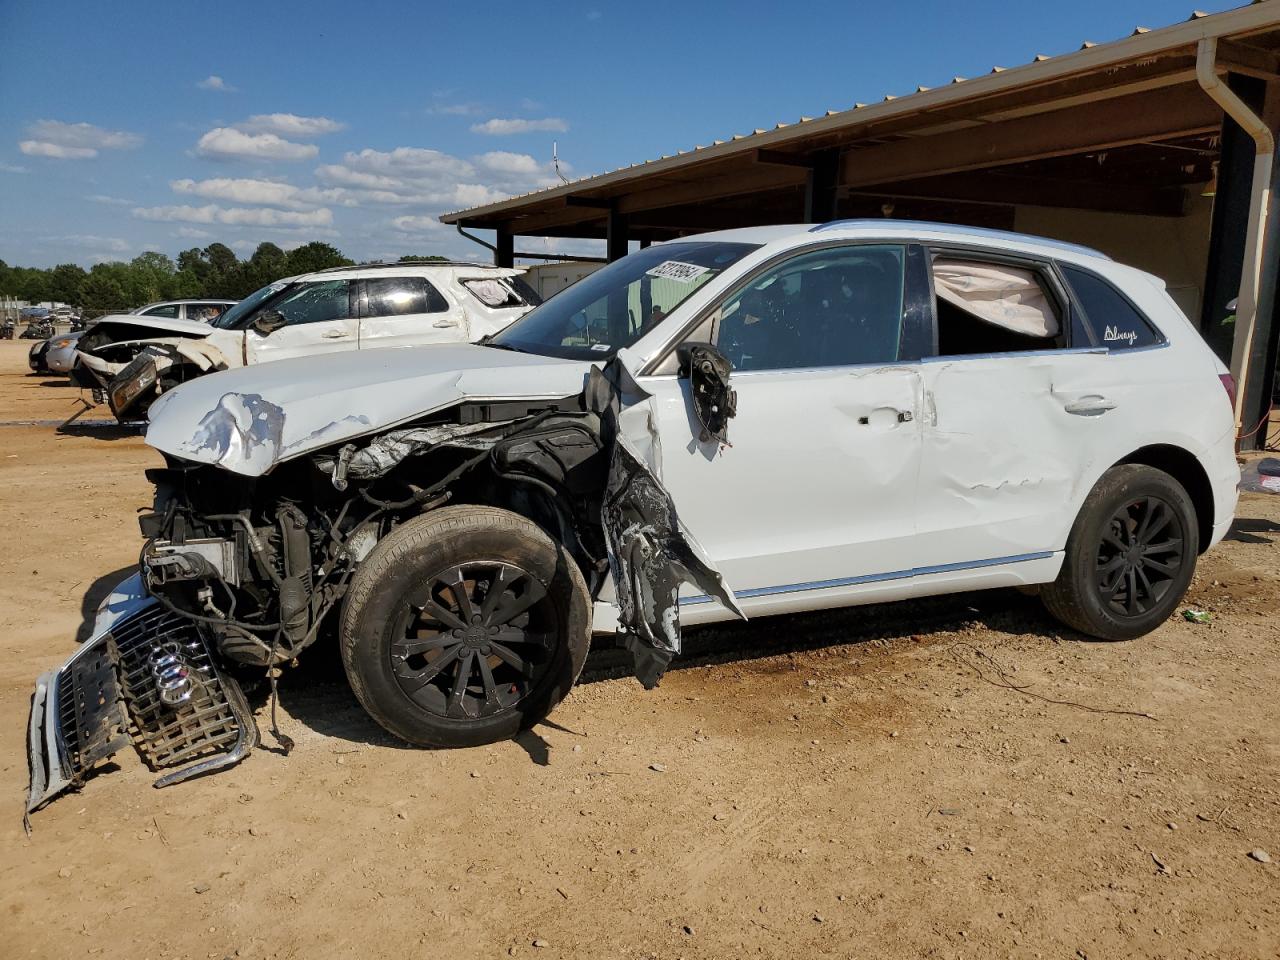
(430, 259)
(315, 256)
(102, 290)
(65, 281)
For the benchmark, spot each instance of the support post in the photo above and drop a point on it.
(616, 236)
(820, 187)
(1251, 275)
(504, 249)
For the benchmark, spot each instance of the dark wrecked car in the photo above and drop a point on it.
(919, 409)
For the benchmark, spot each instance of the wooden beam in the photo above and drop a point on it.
(1157, 115)
(1251, 61)
(778, 158)
(591, 202)
(1027, 190)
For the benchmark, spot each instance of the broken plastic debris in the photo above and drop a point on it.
(1192, 615)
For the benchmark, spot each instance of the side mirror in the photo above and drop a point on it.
(268, 322)
(714, 402)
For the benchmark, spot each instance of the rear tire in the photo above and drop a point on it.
(464, 626)
(1129, 557)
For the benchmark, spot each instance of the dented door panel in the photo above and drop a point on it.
(1013, 444)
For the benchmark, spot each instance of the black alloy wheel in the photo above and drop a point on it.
(1140, 556)
(474, 640)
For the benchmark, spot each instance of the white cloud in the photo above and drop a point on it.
(237, 216)
(109, 201)
(89, 240)
(417, 224)
(498, 127)
(215, 82)
(228, 143)
(192, 233)
(38, 148)
(290, 125)
(413, 176)
(12, 168)
(74, 141)
(271, 193)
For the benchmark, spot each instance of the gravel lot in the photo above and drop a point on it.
(950, 778)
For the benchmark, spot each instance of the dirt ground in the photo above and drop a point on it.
(864, 783)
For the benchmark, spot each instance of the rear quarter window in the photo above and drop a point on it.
(1116, 323)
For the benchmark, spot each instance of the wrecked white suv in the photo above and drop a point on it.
(847, 413)
(130, 360)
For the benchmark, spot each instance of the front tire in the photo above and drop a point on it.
(464, 626)
(1129, 557)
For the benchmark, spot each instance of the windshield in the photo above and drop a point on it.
(615, 306)
(230, 318)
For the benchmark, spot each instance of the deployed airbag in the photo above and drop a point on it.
(1003, 296)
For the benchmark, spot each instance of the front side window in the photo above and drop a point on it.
(238, 315)
(314, 303)
(987, 307)
(831, 308)
(169, 310)
(618, 304)
(400, 296)
(1116, 323)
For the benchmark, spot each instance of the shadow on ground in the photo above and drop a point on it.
(317, 695)
(1248, 530)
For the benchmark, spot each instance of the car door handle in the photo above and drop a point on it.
(1090, 406)
(335, 335)
(899, 416)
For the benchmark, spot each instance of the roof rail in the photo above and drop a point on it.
(960, 230)
(392, 264)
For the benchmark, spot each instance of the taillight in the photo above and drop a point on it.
(1229, 385)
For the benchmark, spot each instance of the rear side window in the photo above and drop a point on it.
(1116, 322)
(988, 307)
(400, 296)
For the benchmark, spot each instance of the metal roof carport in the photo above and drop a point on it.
(1123, 145)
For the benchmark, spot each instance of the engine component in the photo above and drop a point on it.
(201, 559)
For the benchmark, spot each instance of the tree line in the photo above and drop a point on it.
(213, 271)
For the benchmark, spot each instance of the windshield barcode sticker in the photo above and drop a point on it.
(677, 271)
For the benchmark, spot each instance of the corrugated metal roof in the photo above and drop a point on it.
(1090, 56)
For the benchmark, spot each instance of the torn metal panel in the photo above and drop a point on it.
(650, 556)
(650, 552)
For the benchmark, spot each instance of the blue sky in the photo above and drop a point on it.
(133, 125)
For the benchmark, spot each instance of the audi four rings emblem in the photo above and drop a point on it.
(173, 679)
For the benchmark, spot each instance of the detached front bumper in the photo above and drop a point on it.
(146, 677)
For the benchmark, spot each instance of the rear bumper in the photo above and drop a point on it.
(148, 678)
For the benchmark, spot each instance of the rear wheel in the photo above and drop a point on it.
(1129, 557)
(464, 626)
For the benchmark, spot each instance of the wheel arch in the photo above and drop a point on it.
(1185, 467)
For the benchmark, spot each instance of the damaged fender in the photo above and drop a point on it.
(651, 553)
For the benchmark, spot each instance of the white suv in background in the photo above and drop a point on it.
(133, 359)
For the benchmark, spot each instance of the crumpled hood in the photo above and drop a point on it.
(249, 419)
(148, 327)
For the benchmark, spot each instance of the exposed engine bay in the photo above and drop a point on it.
(244, 573)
